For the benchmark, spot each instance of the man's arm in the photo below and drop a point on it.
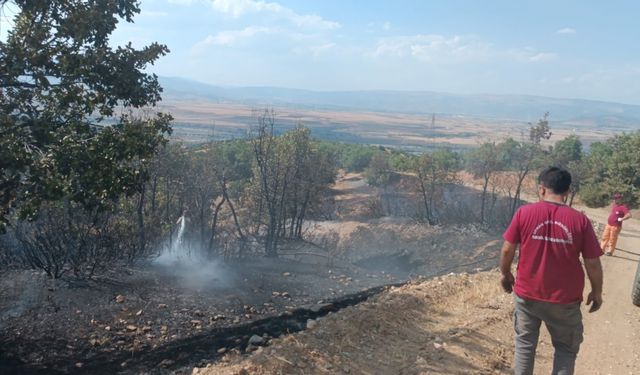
(594, 272)
(507, 254)
(626, 216)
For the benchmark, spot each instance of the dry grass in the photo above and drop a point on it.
(375, 127)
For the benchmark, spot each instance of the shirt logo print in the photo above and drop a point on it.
(539, 235)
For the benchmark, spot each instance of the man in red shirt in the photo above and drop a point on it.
(550, 280)
(619, 213)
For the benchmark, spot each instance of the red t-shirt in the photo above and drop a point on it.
(617, 210)
(552, 237)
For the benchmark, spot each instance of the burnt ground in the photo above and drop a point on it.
(68, 324)
(157, 319)
(160, 319)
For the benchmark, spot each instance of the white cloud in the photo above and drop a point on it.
(317, 50)
(230, 37)
(181, 2)
(566, 30)
(530, 55)
(237, 8)
(8, 12)
(153, 14)
(375, 27)
(435, 48)
(542, 57)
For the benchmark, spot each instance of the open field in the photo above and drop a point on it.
(204, 120)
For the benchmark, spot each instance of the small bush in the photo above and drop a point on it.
(594, 195)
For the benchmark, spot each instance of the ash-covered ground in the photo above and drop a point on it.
(165, 316)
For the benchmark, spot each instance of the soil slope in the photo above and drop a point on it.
(456, 324)
(452, 324)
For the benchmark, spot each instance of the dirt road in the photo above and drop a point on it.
(612, 335)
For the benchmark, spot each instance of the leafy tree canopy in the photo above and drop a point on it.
(61, 82)
(566, 150)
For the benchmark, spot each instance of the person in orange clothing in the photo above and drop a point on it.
(619, 213)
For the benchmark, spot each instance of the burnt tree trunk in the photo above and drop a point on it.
(485, 185)
(214, 223)
(140, 210)
(225, 195)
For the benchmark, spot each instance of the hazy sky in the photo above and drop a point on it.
(582, 49)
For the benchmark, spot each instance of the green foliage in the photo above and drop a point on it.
(379, 172)
(446, 160)
(236, 157)
(351, 157)
(483, 163)
(613, 167)
(524, 156)
(434, 171)
(593, 191)
(593, 195)
(567, 150)
(61, 79)
(290, 177)
(540, 131)
(401, 161)
(484, 160)
(623, 174)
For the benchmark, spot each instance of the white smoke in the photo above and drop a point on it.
(186, 260)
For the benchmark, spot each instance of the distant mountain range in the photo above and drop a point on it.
(514, 107)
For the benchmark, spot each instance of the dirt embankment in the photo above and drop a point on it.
(451, 324)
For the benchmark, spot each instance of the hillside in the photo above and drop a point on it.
(455, 324)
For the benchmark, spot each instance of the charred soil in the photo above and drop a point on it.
(154, 318)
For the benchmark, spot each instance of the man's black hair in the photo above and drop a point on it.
(555, 178)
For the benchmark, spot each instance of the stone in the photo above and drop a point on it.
(256, 340)
(120, 298)
(320, 307)
(311, 324)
